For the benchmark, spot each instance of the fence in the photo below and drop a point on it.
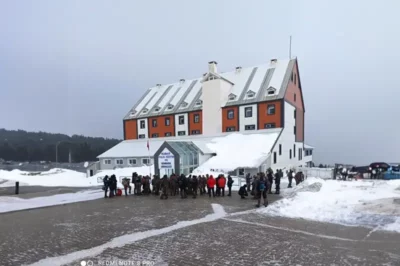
(324, 173)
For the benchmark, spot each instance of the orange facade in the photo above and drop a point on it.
(161, 126)
(294, 96)
(195, 122)
(130, 129)
(230, 122)
(270, 118)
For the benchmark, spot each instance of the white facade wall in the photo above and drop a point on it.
(287, 142)
(145, 130)
(183, 127)
(214, 95)
(243, 120)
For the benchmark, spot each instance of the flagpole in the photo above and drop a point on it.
(148, 149)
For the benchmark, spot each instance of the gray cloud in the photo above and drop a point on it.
(78, 66)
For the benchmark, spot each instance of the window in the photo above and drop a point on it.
(300, 155)
(145, 161)
(229, 129)
(170, 107)
(231, 114)
(167, 121)
(142, 136)
(241, 171)
(132, 161)
(199, 102)
(107, 161)
(184, 104)
(249, 127)
(142, 124)
(250, 94)
(168, 134)
(274, 157)
(248, 112)
(294, 114)
(145, 111)
(295, 97)
(294, 151)
(291, 77)
(270, 125)
(231, 97)
(310, 152)
(157, 109)
(154, 122)
(195, 132)
(290, 154)
(294, 130)
(271, 92)
(294, 78)
(280, 149)
(196, 118)
(181, 133)
(271, 109)
(181, 119)
(119, 161)
(154, 135)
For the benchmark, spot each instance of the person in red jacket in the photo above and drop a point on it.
(221, 185)
(210, 186)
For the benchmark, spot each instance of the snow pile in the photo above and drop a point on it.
(365, 203)
(238, 151)
(66, 178)
(8, 204)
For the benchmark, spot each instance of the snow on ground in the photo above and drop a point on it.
(371, 203)
(9, 183)
(238, 151)
(8, 204)
(66, 178)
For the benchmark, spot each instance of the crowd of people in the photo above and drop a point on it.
(258, 186)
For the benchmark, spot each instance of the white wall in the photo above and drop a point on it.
(243, 121)
(287, 140)
(183, 127)
(144, 130)
(214, 93)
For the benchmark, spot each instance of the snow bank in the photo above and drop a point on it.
(238, 151)
(344, 202)
(66, 178)
(8, 204)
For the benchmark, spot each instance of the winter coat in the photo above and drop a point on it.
(221, 182)
(164, 182)
(211, 182)
(195, 182)
(230, 181)
(106, 181)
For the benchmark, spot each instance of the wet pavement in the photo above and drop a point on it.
(27, 192)
(238, 239)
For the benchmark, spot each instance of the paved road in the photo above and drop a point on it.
(27, 192)
(247, 239)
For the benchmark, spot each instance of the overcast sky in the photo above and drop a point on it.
(77, 67)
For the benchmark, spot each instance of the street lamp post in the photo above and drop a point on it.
(58, 143)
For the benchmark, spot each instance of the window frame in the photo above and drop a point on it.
(144, 124)
(167, 134)
(230, 129)
(248, 109)
(107, 161)
(184, 133)
(165, 121)
(144, 136)
(272, 105)
(265, 125)
(294, 150)
(230, 111)
(198, 118)
(147, 159)
(155, 135)
(154, 122)
(183, 120)
(250, 127)
(129, 161)
(290, 154)
(275, 157)
(195, 132)
(119, 160)
(280, 149)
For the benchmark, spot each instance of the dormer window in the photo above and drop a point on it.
(157, 109)
(271, 91)
(132, 113)
(184, 105)
(170, 107)
(251, 94)
(199, 102)
(145, 110)
(232, 97)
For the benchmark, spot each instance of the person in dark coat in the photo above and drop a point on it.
(230, 183)
(106, 183)
(173, 185)
(164, 187)
(278, 181)
(248, 181)
(261, 190)
(270, 176)
(138, 183)
(217, 190)
(195, 186)
(243, 191)
(290, 177)
(113, 186)
(182, 186)
(127, 186)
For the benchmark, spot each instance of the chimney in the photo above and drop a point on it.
(238, 69)
(182, 81)
(212, 67)
(273, 61)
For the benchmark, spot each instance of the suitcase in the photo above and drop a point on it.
(119, 192)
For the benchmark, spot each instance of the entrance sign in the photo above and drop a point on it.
(166, 162)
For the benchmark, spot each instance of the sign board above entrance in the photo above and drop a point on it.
(166, 160)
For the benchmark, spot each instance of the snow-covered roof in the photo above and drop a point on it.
(257, 79)
(138, 147)
(239, 151)
(308, 146)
